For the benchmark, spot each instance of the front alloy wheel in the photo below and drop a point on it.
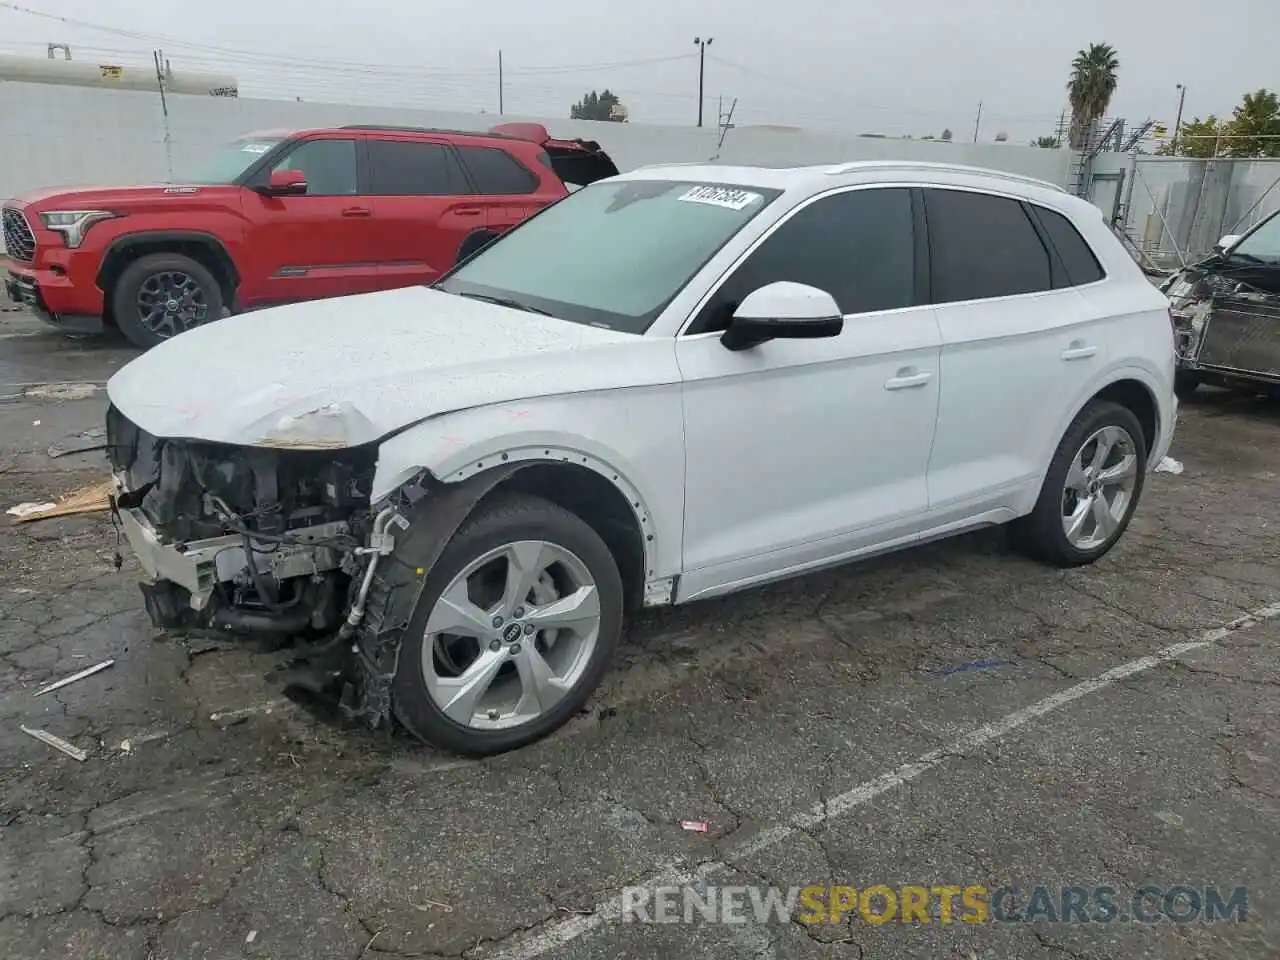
(1099, 487)
(511, 631)
(511, 635)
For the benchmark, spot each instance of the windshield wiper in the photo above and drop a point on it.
(508, 302)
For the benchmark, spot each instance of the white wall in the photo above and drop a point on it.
(56, 136)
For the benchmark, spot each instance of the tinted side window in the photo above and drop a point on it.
(328, 165)
(982, 246)
(407, 168)
(858, 246)
(497, 172)
(1072, 249)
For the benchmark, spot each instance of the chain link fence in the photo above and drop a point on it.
(1173, 210)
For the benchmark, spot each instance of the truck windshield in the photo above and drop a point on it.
(613, 254)
(231, 161)
(1263, 245)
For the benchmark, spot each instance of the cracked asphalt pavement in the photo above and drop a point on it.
(213, 820)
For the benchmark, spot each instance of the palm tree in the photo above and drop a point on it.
(1092, 84)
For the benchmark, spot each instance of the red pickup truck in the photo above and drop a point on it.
(282, 216)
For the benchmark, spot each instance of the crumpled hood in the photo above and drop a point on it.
(370, 364)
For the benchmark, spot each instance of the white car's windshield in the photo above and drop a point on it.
(226, 165)
(1263, 245)
(613, 254)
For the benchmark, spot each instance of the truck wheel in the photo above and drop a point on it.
(1185, 383)
(1090, 491)
(512, 631)
(474, 243)
(162, 295)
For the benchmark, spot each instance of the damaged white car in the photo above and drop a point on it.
(1226, 312)
(671, 385)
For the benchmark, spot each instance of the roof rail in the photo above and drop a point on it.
(392, 128)
(855, 165)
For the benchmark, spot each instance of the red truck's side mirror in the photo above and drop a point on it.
(286, 183)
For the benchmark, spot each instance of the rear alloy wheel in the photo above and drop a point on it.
(1091, 489)
(162, 295)
(513, 630)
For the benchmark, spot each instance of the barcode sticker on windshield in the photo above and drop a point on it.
(727, 197)
(255, 148)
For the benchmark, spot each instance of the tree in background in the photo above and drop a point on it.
(1254, 129)
(1094, 73)
(1047, 143)
(595, 106)
(946, 135)
(1197, 138)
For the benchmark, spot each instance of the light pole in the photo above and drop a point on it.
(702, 69)
(1177, 124)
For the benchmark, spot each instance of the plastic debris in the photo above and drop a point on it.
(973, 665)
(35, 423)
(91, 499)
(695, 826)
(65, 681)
(1169, 465)
(253, 935)
(22, 510)
(72, 751)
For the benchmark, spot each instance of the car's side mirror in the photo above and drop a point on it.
(285, 183)
(783, 311)
(1227, 242)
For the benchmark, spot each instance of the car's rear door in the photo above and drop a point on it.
(1019, 344)
(320, 244)
(511, 192)
(798, 451)
(423, 206)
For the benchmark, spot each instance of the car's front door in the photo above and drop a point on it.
(315, 245)
(424, 207)
(1019, 344)
(802, 451)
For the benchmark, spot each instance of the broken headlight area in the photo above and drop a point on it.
(242, 539)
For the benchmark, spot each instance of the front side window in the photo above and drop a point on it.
(982, 246)
(858, 246)
(328, 165)
(414, 168)
(1263, 245)
(613, 254)
(229, 163)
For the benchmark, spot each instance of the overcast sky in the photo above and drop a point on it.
(896, 68)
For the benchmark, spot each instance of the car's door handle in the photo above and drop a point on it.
(356, 212)
(907, 378)
(468, 211)
(1079, 350)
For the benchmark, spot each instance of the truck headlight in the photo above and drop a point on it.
(74, 224)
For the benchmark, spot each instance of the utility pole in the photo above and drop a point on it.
(702, 69)
(1061, 130)
(158, 55)
(1177, 124)
(977, 122)
(499, 83)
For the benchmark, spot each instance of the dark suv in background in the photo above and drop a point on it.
(282, 216)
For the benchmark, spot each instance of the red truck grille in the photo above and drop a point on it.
(19, 241)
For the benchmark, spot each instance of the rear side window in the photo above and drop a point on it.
(982, 246)
(495, 171)
(859, 246)
(408, 168)
(1077, 259)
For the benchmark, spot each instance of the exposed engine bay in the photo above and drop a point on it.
(1226, 318)
(276, 544)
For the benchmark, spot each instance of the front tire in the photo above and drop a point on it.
(161, 295)
(1091, 489)
(513, 630)
(1185, 383)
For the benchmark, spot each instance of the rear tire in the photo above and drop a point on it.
(1075, 482)
(161, 295)
(535, 678)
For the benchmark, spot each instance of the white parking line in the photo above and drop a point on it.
(675, 873)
